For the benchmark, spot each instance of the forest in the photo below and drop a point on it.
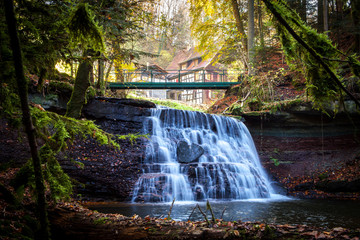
(86, 152)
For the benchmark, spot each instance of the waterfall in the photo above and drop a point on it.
(197, 156)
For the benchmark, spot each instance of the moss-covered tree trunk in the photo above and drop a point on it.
(44, 232)
(78, 96)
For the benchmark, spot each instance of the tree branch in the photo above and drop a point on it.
(317, 57)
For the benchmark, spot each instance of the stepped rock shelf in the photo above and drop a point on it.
(223, 162)
(293, 137)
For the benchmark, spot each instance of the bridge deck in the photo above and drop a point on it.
(171, 85)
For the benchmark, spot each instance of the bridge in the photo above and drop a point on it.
(171, 85)
(175, 79)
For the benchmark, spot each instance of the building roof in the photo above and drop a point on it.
(180, 56)
(184, 56)
(151, 67)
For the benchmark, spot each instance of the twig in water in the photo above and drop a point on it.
(222, 214)
(172, 204)
(206, 219)
(208, 206)
(192, 212)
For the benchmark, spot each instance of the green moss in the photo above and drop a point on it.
(236, 109)
(172, 104)
(101, 221)
(90, 93)
(60, 86)
(283, 105)
(58, 129)
(10, 105)
(57, 132)
(132, 137)
(275, 161)
(255, 104)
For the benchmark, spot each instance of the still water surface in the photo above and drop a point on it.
(319, 213)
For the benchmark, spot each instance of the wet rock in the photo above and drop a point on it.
(188, 153)
(128, 110)
(304, 186)
(339, 186)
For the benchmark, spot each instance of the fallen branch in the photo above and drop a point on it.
(206, 219)
(192, 212)
(222, 214)
(208, 206)
(172, 205)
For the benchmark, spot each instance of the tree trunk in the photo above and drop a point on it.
(71, 68)
(325, 14)
(41, 80)
(320, 17)
(251, 35)
(261, 32)
(303, 10)
(108, 71)
(100, 82)
(92, 78)
(30, 131)
(355, 13)
(239, 24)
(119, 73)
(78, 95)
(339, 9)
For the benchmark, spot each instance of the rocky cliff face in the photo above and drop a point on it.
(109, 173)
(309, 153)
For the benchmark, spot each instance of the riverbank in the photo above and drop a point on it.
(71, 221)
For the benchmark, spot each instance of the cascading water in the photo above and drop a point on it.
(197, 156)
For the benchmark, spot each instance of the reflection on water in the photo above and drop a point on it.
(320, 213)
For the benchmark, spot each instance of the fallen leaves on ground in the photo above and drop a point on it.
(117, 226)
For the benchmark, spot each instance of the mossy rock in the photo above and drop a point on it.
(60, 86)
(255, 105)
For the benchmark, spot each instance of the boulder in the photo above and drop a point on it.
(188, 153)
